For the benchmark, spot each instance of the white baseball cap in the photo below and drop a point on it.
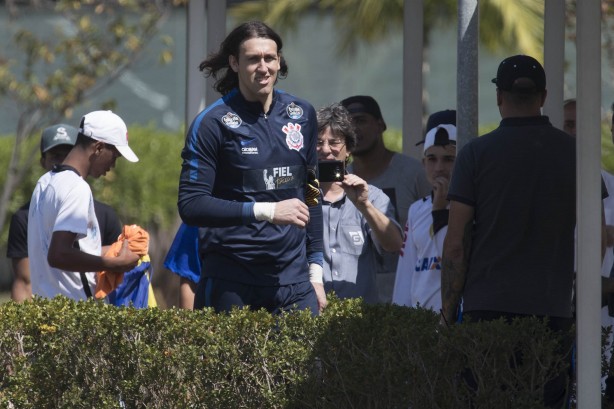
(107, 127)
(441, 135)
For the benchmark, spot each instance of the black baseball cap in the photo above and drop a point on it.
(55, 135)
(363, 104)
(520, 66)
(445, 117)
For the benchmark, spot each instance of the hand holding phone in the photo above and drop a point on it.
(331, 170)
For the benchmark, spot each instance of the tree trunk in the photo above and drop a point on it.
(19, 163)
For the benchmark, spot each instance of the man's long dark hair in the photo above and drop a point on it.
(230, 46)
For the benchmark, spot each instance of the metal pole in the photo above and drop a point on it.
(467, 72)
(588, 318)
(413, 43)
(554, 59)
(195, 52)
(216, 31)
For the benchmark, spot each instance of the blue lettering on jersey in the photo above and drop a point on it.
(428, 264)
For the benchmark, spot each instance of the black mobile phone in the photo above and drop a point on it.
(331, 170)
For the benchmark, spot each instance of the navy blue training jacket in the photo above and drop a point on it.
(236, 155)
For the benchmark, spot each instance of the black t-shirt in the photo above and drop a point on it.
(521, 181)
(17, 246)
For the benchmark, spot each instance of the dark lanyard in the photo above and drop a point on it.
(86, 285)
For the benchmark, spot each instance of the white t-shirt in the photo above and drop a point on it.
(418, 278)
(61, 201)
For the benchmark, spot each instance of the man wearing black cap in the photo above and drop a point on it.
(509, 250)
(402, 178)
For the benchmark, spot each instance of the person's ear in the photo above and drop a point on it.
(543, 100)
(382, 124)
(98, 147)
(234, 64)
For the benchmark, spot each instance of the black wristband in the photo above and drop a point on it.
(440, 219)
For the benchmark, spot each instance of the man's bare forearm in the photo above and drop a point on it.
(454, 274)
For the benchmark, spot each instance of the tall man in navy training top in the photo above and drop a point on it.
(246, 165)
(509, 250)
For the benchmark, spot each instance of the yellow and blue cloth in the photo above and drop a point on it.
(132, 288)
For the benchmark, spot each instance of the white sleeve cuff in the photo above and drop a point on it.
(315, 273)
(264, 211)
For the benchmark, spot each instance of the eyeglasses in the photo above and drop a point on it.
(332, 143)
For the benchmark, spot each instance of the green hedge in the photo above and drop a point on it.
(62, 354)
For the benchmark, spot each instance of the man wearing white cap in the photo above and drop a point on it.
(418, 277)
(63, 232)
(56, 142)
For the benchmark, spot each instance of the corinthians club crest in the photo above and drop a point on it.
(294, 137)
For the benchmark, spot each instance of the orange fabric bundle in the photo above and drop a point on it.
(138, 243)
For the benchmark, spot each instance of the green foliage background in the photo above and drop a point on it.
(143, 193)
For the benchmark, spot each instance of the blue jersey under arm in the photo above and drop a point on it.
(315, 249)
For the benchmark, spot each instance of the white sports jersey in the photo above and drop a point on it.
(61, 201)
(418, 278)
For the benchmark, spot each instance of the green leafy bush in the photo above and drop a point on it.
(145, 192)
(62, 354)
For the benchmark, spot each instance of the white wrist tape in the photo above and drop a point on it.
(315, 273)
(264, 211)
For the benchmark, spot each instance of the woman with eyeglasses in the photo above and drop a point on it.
(359, 227)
